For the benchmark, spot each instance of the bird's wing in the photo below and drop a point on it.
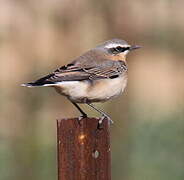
(79, 72)
(108, 69)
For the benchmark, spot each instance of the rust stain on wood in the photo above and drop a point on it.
(83, 150)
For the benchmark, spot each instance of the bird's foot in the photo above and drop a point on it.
(106, 117)
(110, 121)
(81, 117)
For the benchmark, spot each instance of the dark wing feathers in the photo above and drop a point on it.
(73, 72)
(108, 70)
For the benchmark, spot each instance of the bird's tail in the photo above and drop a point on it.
(36, 84)
(40, 82)
(30, 85)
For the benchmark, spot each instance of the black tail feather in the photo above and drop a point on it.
(40, 82)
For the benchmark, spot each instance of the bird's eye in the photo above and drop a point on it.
(122, 49)
(119, 49)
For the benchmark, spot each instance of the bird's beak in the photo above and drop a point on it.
(133, 47)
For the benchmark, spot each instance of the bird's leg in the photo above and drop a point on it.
(104, 115)
(84, 115)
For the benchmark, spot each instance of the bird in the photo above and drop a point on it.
(98, 75)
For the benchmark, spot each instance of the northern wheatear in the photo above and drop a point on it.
(98, 75)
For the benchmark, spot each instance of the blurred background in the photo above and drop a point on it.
(38, 36)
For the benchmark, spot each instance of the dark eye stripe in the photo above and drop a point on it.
(119, 49)
(122, 49)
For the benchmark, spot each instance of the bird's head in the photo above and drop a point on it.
(117, 49)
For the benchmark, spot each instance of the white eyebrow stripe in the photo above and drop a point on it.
(113, 45)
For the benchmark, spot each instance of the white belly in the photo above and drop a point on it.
(95, 91)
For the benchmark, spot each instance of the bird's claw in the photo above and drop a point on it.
(80, 118)
(110, 121)
(106, 117)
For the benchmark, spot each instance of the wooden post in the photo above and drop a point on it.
(83, 150)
